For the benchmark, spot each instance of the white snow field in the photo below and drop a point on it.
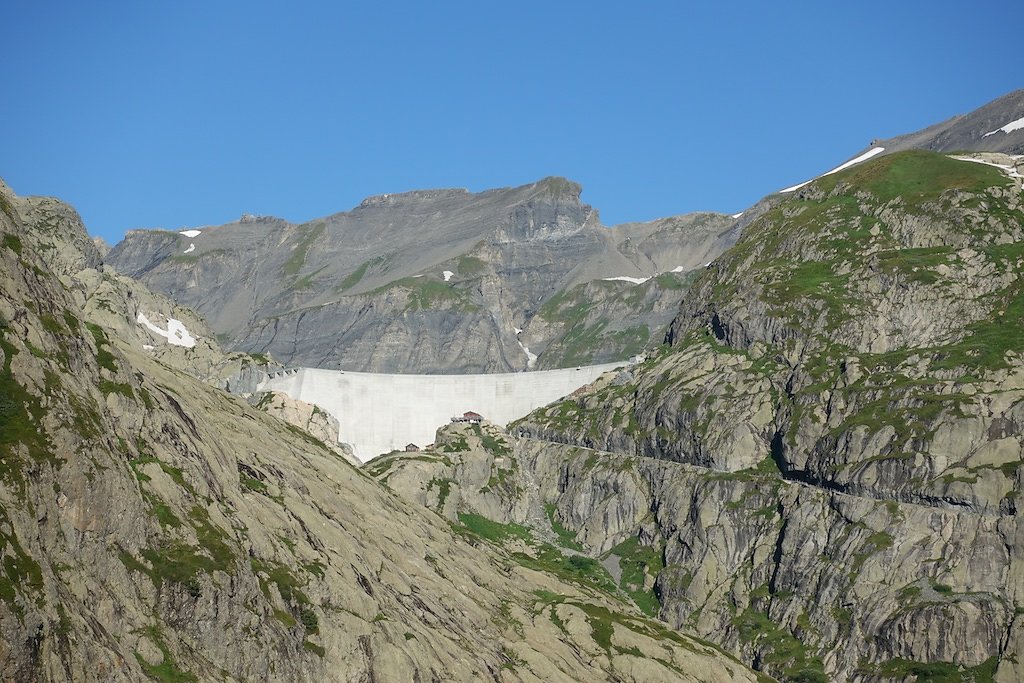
(379, 413)
(1008, 128)
(991, 159)
(191, 233)
(626, 278)
(176, 332)
(863, 157)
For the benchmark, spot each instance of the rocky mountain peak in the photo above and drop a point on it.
(66, 246)
(255, 218)
(398, 199)
(559, 187)
(429, 281)
(552, 211)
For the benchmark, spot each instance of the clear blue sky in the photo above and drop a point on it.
(168, 114)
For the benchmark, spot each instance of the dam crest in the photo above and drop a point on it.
(378, 413)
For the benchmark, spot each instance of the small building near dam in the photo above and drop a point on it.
(379, 413)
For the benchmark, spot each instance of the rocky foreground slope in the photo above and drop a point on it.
(154, 527)
(822, 469)
(442, 281)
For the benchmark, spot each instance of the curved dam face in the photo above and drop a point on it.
(379, 413)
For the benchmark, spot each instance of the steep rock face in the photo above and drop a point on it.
(699, 406)
(866, 339)
(430, 281)
(803, 583)
(897, 330)
(116, 302)
(849, 377)
(572, 324)
(307, 417)
(58, 231)
(152, 526)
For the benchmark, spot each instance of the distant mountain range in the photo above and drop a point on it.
(448, 281)
(435, 281)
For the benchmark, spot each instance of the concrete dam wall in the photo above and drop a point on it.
(379, 413)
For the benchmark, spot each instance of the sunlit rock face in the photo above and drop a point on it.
(155, 527)
(436, 282)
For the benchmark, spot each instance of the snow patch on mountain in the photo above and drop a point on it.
(626, 278)
(863, 157)
(176, 332)
(191, 248)
(641, 280)
(191, 233)
(791, 188)
(531, 358)
(1008, 128)
(1010, 169)
(447, 275)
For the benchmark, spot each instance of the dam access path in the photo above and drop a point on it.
(379, 413)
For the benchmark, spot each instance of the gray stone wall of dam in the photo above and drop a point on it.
(379, 413)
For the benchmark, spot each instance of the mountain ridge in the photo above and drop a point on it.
(976, 131)
(443, 278)
(416, 269)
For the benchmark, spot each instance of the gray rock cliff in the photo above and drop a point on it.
(821, 469)
(154, 527)
(433, 281)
